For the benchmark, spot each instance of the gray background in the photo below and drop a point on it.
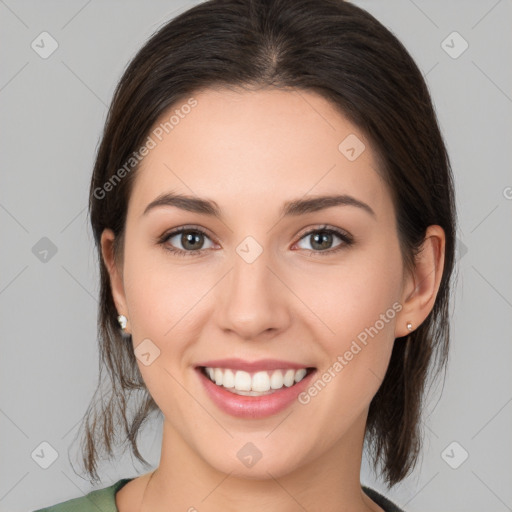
(53, 112)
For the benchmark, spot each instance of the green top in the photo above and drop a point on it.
(101, 500)
(104, 500)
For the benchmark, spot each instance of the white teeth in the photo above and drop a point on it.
(300, 374)
(253, 384)
(276, 380)
(289, 378)
(260, 382)
(242, 380)
(228, 379)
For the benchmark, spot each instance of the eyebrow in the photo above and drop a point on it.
(290, 208)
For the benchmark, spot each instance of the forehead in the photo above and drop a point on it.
(239, 147)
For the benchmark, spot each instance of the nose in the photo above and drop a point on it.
(252, 301)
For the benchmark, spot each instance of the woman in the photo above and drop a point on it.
(273, 208)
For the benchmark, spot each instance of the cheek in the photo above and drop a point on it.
(351, 297)
(160, 296)
(366, 326)
(163, 302)
(359, 303)
(168, 304)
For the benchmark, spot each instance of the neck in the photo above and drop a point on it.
(184, 481)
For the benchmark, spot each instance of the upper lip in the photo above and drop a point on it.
(252, 366)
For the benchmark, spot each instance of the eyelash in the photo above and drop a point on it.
(347, 240)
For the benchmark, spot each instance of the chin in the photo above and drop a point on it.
(256, 459)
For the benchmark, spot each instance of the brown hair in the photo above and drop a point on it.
(341, 52)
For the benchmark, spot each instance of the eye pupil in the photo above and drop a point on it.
(325, 240)
(189, 237)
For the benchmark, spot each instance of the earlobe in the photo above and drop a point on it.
(116, 279)
(422, 285)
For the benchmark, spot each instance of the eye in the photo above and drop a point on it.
(191, 240)
(321, 240)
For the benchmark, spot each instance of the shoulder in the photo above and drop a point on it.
(381, 500)
(100, 499)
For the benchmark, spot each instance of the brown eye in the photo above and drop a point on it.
(322, 240)
(186, 241)
(191, 240)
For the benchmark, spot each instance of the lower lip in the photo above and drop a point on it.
(253, 407)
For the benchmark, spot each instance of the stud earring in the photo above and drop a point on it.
(409, 326)
(122, 321)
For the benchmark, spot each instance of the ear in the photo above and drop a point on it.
(422, 284)
(116, 275)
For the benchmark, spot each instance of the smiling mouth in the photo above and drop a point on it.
(259, 383)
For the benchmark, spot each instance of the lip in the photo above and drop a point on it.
(253, 407)
(253, 366)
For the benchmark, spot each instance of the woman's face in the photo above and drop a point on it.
(264, 283)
